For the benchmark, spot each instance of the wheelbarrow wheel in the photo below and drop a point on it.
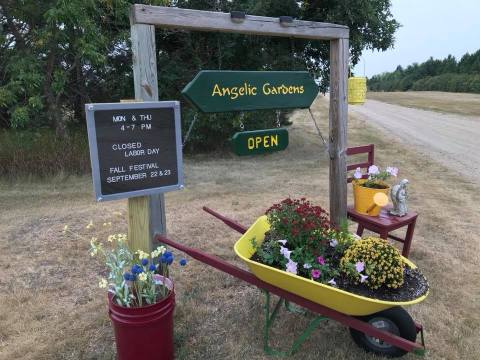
(394, 320)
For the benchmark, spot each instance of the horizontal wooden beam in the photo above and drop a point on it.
(188, 19)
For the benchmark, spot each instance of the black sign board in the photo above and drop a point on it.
(135, 148)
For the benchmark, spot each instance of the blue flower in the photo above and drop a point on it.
(136, 269)
(152, 267)
(183, 262)
(129, 277)
(167, 258)
(144, 262)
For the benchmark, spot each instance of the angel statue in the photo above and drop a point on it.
(399, 196)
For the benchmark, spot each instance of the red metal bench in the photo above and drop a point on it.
(384, 223)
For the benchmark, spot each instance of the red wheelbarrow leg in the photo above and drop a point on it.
(244, 275)
(229, 222)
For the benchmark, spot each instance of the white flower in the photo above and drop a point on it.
(333, 242)
(363, 278)
(332, 282)
(373, 170)
(142, 276)
(291, 267)
(283, 242)
(158, 251)
(307, 266)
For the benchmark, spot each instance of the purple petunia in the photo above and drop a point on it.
(360, 266)
(291, 267)
(358, 173)
(373, 170)
(315, 273)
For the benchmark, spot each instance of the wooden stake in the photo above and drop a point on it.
(338, 119)
(146, 214)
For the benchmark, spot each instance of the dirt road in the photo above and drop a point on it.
(453, 140)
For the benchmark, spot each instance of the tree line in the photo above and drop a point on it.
(433, 75)
(57, 55)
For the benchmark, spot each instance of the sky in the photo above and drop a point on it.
(429, 28)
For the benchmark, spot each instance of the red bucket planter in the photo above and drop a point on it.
(144, 332)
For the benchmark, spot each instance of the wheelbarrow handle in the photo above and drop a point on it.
(229, 222)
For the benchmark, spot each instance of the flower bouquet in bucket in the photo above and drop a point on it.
(370, 190)
(141, 297)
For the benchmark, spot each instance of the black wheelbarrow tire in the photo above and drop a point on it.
(395, 320)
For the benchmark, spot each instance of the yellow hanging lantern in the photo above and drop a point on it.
(357, 90)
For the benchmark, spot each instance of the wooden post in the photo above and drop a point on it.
(146, 214)
(338, 119)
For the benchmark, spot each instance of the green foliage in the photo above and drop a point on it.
(56, 55)
(433, 75)
(375, 257)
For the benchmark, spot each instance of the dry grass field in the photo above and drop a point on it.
(457, 103)
(51, 307)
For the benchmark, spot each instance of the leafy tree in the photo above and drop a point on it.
(435, 75)
(56, 55)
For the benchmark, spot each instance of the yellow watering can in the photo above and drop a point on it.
(379, 200)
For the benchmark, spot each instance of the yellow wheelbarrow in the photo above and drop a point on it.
(381, 327)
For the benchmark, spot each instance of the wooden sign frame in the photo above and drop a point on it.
(144, 18)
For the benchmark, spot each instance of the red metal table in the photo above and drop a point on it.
(386, 223)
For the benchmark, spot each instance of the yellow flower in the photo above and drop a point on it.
(102, 283)
(142, 254)
(90, 225)
(111, 238)
(142, 277)
(93, 252)
(121, 237)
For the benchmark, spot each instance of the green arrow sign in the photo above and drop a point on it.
(259, 141)
(219, 91)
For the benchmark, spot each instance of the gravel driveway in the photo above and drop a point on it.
(453, 140)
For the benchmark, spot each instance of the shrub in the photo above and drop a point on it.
(374, 262)
(41, 153)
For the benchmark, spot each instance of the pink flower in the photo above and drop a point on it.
(358, 173)
(373, 170)
(360, 266)
(291, 267)
(315, 273)
(363, 278)
(393, 171)
(321, 260)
